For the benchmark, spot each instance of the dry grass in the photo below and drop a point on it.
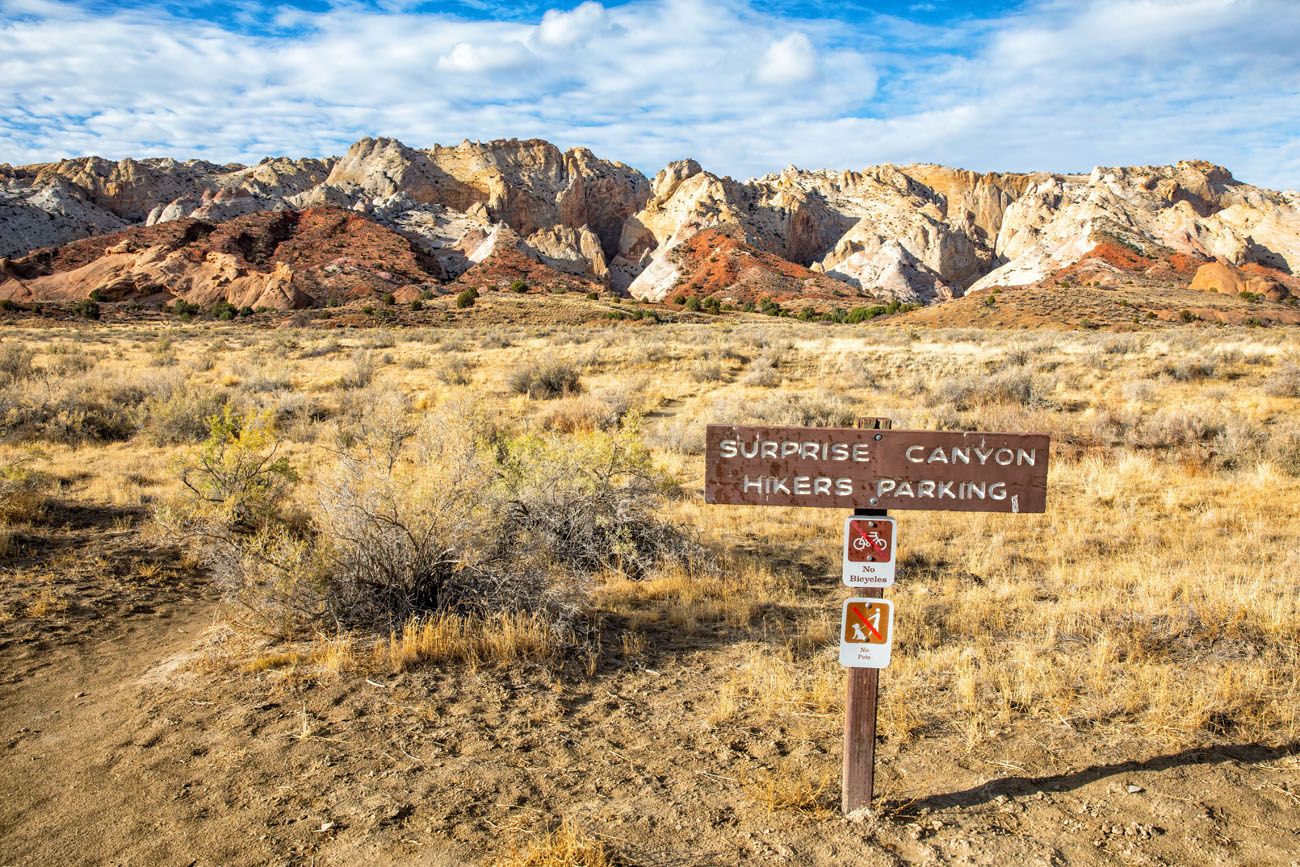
(566, 846)
(503, 638)
(1154, 603)
(790, 786)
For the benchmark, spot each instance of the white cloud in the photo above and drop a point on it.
(560, 29)
(486, 57)
(1055, 85)
(791, 60)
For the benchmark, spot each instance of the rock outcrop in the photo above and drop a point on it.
(916, 233)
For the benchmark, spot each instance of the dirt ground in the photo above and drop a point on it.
(121, 746)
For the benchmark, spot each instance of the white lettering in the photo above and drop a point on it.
(839, 452)
(802, 486)
(998, 491)
(918, 449)
(752, 484)
(960, 455)
(937, 457)
(983, 454)
(885, 486)
(861, 453)
(768, 450)
(844, 487)
(1011, 456)
(925, 488)
(728, 448)
(1026, 457)
(822, 485)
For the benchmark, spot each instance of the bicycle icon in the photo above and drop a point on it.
(872, 539)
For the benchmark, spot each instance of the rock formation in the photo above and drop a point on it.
(916, 233)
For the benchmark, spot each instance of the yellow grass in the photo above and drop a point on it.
(567, 846)
(1154, 602)
(453, 638)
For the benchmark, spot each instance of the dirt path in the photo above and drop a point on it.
(68, 716)
(114, 750)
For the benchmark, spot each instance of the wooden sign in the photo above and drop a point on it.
(880, 469)
(866, 633)
(869, 544)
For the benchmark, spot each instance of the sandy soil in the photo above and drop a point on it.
(120, 745)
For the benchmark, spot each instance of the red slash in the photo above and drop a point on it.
(862, 534)
(867, 623)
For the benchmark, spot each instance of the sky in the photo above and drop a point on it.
(745, 88)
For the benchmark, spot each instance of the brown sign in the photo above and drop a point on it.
(847, 468)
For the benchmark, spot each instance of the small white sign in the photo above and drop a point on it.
(866, 633)
(869, 546)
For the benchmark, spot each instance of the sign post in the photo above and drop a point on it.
(861, 696)
(871, 468)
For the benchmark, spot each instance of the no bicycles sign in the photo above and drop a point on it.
(869, 545)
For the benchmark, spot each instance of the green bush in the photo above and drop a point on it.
(87, 309)
(417, 305)
(223, 310)
(518, 286)
(9, 305)
(693, 303)
(246, 311)
(185, 309)
(466, 298)
(390, 298)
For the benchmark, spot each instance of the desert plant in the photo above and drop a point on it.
(177, 412)
(455, 370)
(15, 362)
(545, 380)
(361, 370)
(1284, 381)
(466, 297)
(223, 310)
(87, 309)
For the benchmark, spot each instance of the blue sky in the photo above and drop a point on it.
(1060, 85)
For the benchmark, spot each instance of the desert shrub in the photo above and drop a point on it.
(361, 369)
(1122, 344)
(15, 362)
(1284, 381)
(71, 410)
(177, 412)
(762, 373)
(446, 515)
(546, 379)
(707, 371)
(518, 286)
(577, 413)
(329, 346)
(1190, 370)
(87, 309)
(466, 297)
(24, 494)
(1014, 385)
(185, 310)
(455, 370)
(223, 310)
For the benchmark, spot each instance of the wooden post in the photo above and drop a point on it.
(860, 698)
